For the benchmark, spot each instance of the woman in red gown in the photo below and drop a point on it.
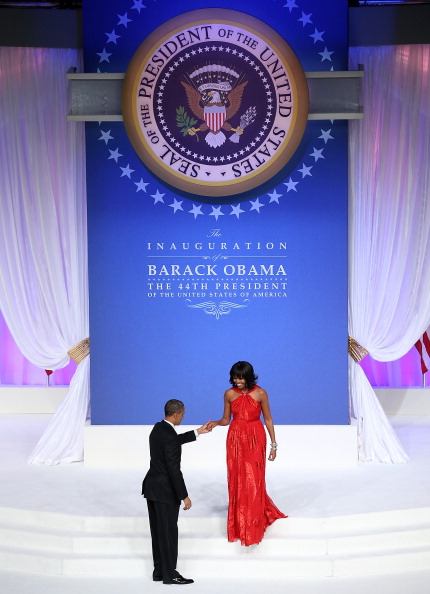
(250, 509)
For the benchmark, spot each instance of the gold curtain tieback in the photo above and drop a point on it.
(80, 350)
(355, 349)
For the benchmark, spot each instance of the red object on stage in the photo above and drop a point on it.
(250, 509)
(48, 371)
(423, 347)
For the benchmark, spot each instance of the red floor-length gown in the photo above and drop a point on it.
(250, 509)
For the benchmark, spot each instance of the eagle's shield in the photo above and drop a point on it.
(215, 117)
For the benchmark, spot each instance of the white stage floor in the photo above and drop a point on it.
(308, 493)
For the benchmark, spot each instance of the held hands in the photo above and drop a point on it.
(212, 424)
(206, 428)
(187, 503)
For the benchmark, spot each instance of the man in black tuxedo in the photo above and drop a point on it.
(164, 489)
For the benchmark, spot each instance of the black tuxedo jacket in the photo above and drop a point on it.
(164, 481)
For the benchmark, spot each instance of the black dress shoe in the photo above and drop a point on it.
(157, 578)
(178, 580)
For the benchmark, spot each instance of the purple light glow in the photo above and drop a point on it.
(16, 370)
(402, 373)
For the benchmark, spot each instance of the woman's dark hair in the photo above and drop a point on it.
(244, 370)
(173, 406)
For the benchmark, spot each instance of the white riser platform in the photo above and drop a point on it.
(31, 399)
(405, 401)
(126, 446)
(362, 544)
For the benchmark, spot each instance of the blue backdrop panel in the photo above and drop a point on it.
(153, 334)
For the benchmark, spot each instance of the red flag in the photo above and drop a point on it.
(423, 347)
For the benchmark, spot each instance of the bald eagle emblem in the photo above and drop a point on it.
(214, 95)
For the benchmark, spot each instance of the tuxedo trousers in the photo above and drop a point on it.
(163, 523)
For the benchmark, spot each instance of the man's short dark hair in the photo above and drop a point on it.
(173, 406)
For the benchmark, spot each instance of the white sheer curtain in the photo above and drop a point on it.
(389, 266)
(43, 238)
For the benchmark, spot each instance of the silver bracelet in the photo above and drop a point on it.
(274, 445)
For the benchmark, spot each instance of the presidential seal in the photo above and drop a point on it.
(215, 102)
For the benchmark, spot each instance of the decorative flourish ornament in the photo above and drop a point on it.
(221, 309)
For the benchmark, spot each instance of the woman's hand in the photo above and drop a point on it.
(272, 455)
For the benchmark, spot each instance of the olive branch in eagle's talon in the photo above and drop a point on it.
(186, 123)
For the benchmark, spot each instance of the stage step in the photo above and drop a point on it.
(283, 565)
(363, 544)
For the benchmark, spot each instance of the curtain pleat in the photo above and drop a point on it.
(43, 231)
